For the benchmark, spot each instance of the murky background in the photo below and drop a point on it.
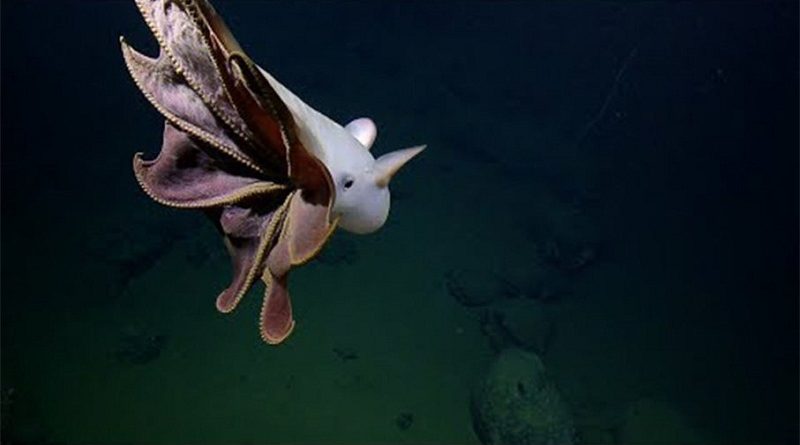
(604, 227)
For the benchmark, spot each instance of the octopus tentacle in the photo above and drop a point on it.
(190, 33)
(257, 101)
(186, 176)
(247, 192)
(304, 232)
(276, 322)
(233, 148)
(187, 51)
(241, 79)
(179, 104)
(248, 237)
(304, 169)
(307, 229)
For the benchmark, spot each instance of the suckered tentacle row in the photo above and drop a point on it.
(227, 116)
(247, 192)
(223, 49)
(192, 129)
(266, 98)
(265, 242)
(275, 288)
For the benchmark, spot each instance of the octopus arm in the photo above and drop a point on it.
(169, 93)
(249, 234)
(186, 174)
(233, 148)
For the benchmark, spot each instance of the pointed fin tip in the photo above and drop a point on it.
(390, 163)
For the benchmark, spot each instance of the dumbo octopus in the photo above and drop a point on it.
(274, 175)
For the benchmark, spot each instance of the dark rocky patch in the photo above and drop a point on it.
(521, 324)
(478, 287)
(517, 403)
(566, 256)
(404, 421)
(534, 280)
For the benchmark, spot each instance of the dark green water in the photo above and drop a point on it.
(624, 174)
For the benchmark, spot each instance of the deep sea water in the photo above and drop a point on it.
(610, 185)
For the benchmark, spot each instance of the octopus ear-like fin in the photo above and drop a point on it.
(388, 164)
(364, 130)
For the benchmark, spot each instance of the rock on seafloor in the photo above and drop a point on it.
(478, 287)
(517, 404)
(528, 280)
(518, 323)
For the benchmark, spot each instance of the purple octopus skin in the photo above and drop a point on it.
(230, 149)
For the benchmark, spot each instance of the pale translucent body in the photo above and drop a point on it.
(362, 194)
